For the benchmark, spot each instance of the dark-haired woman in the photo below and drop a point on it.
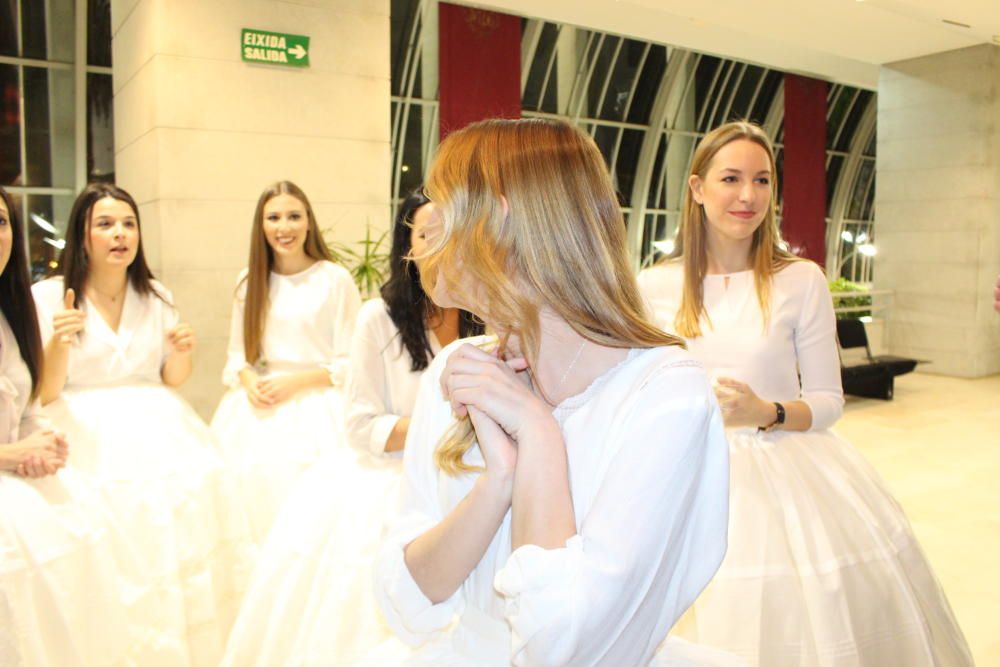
(310, 602)
(62, 564)
(114, 345)
(290, 334)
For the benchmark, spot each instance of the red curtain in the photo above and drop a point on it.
(480, 66)
(803, 187)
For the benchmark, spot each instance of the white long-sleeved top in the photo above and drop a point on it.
(101, 356)
(309, 322)
(800, 339)
(19, 415)
(381, 387)
(648, 464)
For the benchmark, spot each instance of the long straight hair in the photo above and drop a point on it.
(766, 254)
(405, 300)
(261, 264)
(74, 262)
(15, 298)
(531, 221)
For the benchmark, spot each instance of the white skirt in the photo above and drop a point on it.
(159, 471)
(269, 449)
(71, 591)
(310, 602)
(822, 568)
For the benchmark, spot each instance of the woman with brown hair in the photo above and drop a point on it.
(822, 566)
(114, 348)
(564, 492)
(289, 338)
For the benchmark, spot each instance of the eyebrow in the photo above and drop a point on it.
(737, 171)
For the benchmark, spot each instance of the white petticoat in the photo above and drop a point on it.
(269, 449)
(822, 568)
(71, 591)
(159, 472)
(310, 602)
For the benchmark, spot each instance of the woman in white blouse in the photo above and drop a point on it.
(114, 345)
(565, 485)
(310, 601)
(289, 337)
(822, 567)
(62, 564)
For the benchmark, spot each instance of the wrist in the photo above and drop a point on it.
(498, 484)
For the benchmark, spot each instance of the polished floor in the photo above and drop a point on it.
(937, 445)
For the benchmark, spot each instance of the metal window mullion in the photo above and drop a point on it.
(847, 114)
(398, 137)
(550, 66)
(80, 95)
(729, 102)
(688, 87)
(35, 62)
(756, 91)
(711, 91)
(586, 120)
(848, 175)
(607, 77)
(529, 45)
(583, 82)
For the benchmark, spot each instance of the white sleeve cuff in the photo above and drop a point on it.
(411, 614)
(381, 428)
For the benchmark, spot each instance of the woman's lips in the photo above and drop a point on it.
(746, 215)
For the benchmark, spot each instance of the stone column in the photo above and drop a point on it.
(937, 208)
(199, 134)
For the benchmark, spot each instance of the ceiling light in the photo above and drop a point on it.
(867, 249)
(43, 223)
(847, 236)
(56, 243)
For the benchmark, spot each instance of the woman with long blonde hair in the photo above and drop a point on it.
(289, 337)
(564, 493)
(822, 567)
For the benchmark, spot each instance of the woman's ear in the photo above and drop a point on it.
(695, 183)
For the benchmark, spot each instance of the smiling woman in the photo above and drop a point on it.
(293, 313)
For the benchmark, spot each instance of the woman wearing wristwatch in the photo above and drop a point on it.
(822, 566)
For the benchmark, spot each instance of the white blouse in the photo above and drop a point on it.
(381, 388)
(309, 322)
(800, 340)
(101, 356)
(649, 467)
(19, 415)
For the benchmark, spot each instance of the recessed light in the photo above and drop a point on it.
(956, 23)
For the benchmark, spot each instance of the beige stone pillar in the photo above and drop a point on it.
(937, 208)
(199, 134)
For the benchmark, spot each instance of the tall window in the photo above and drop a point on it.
(56, 125)
(646, 105)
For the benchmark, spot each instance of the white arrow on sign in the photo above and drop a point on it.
(298, 52)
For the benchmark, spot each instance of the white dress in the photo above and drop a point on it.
(71, 594)
(310, 602)
(309, 323)
(822, 568)
(158, 468)
(649, 477)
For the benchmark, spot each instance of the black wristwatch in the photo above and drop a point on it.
(778, 420)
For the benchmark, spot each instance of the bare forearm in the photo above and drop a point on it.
(542, 508)
(397, 436)
(176, 369)
(54, 370)
(314, 379)
(442, 558)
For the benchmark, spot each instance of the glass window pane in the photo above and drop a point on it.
(45, 218)
(100, 129)
(772, 81)
(628, 156)
(47, 30)
(10, 127)
(539, 69)
(48, 121)
(852, 120)
(411, 168)
(744, 94)
(626, 68)
(99, 33)
(8, 25)
(832, 174)
(648, 84)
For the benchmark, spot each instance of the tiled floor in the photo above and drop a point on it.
(937, 445)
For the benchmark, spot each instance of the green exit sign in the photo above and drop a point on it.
(274, 48)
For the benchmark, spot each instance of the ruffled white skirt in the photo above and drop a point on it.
(71, 591)
(160, 473)
(269, 449)
(310, 603)
(822, 568)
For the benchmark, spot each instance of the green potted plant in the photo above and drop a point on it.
(863, 299)
(368, 263)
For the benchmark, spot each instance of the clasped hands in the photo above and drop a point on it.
(41, 453)
(498, 399)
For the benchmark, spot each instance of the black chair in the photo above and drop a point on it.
(874, 376)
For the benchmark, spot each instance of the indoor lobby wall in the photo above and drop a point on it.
(937, 208)
(199, 134)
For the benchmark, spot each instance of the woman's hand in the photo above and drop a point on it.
(68, 322)
(741, 406)
(251, 382)
(473, 378)
(40, 454)
(278, 389)
(181, 339)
